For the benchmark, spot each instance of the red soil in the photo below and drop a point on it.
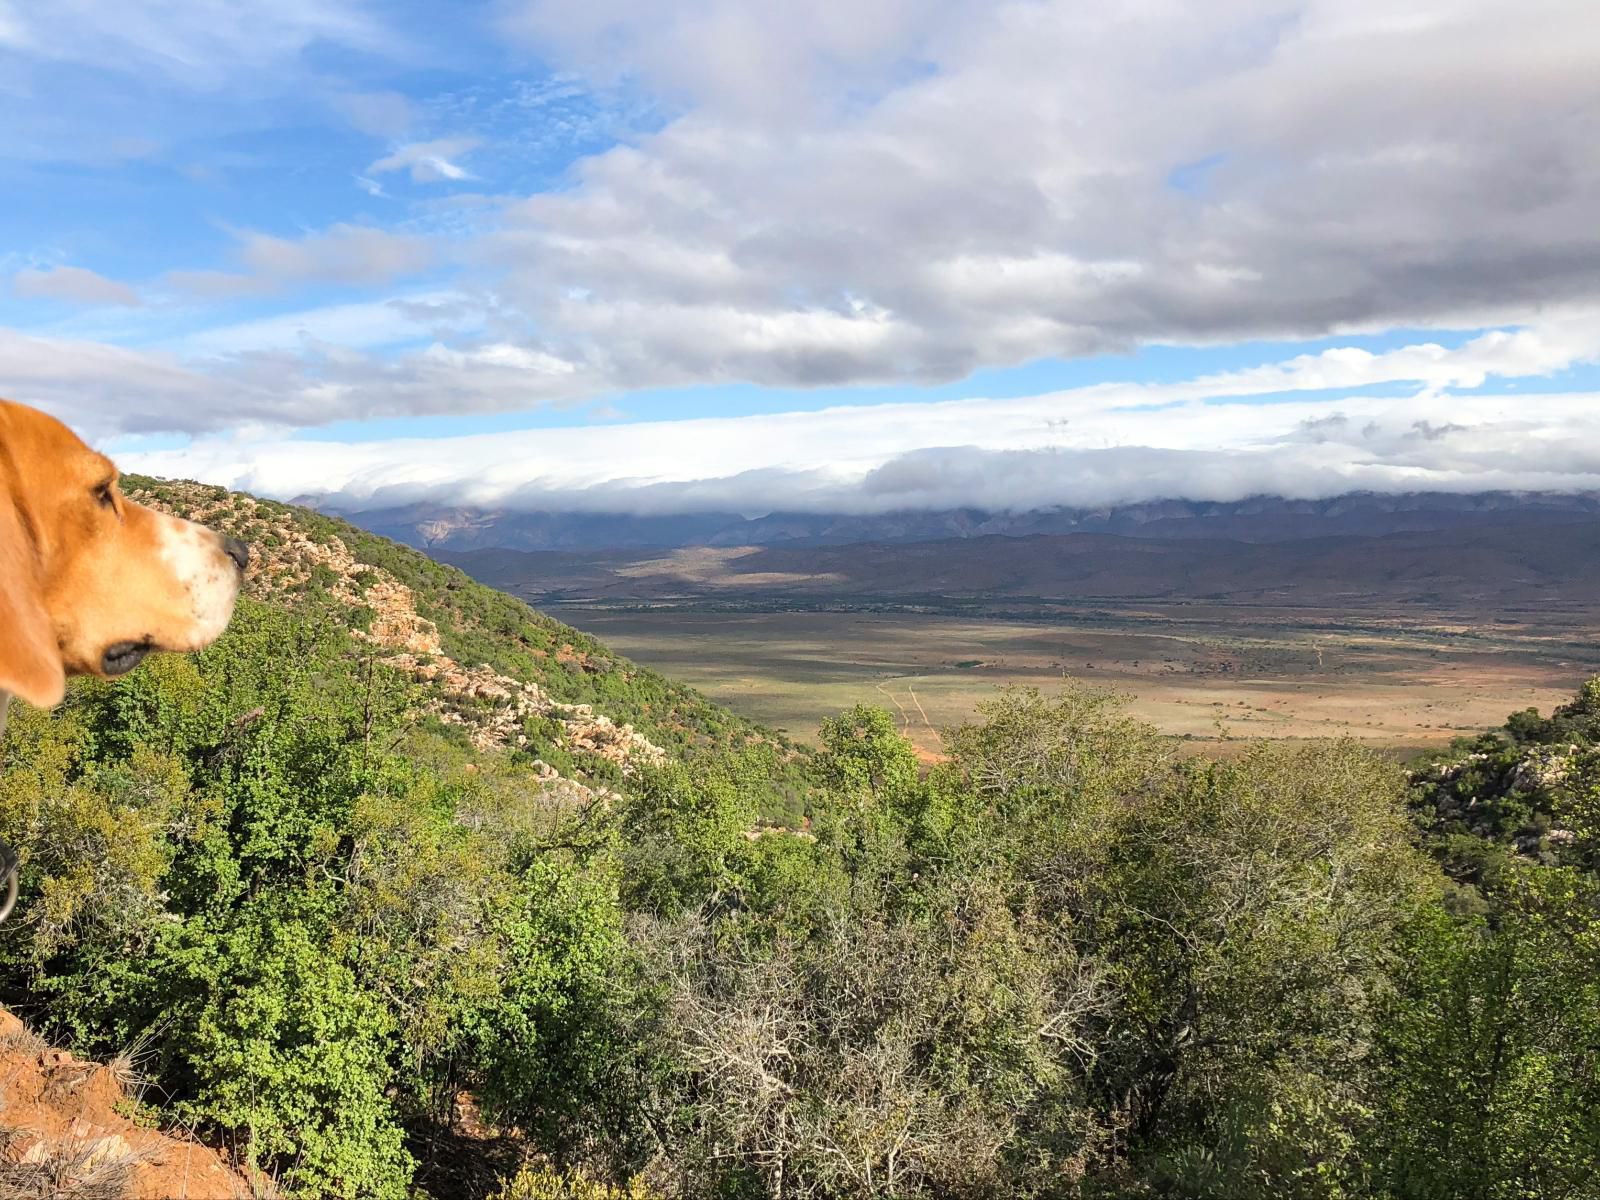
(62, 1134)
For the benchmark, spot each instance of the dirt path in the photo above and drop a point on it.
(905, 717)
(927, 724)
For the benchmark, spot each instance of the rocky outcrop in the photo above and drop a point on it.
(1542, 768)
(596, 733)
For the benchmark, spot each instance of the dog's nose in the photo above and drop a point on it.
(238, 551)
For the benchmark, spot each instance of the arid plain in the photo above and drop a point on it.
(1201, 672)
(1403, 640)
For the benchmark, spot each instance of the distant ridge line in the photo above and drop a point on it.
(438, 526)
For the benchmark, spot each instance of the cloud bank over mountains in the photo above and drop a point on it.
(1266, 430)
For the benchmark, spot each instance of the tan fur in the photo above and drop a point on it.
(83, 570)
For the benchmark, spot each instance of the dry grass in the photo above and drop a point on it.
(129, 1067)
(19, 1039)
(71, 1169)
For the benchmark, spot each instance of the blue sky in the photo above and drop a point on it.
(426, 247)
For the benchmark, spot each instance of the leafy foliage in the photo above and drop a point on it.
(1063, 962)
(321, 917)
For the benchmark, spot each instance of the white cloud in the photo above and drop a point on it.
(349, 255)
(74, 285)
(198, 43)
(428, 162)
(344, 253)
(1551, 346)
(875, 190)
(101, 389)
(776, 59)
(1209, 438)
(290, 371)
(319, 365)
(898, 461)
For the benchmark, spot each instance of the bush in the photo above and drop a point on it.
(541, 1183)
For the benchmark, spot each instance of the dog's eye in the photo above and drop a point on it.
(103, 496)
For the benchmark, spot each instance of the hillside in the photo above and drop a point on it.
(505, 676)
(364, 940)
(342, 882)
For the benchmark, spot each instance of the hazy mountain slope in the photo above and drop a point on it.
(429, 525)
(1472, 567)
(457, 528)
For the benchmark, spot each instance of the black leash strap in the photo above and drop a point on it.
(8, 871)
(8, 857)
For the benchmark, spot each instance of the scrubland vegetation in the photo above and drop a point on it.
(1065, 962)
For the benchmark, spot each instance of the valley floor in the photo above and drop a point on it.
(1205, 672)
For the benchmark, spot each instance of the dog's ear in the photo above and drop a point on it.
(30, 660)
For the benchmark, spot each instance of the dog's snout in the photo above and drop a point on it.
(238, 551)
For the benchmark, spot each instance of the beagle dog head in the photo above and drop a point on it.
(91, 582)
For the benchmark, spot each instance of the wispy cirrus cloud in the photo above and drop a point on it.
(200, 43)
(428, 162)
(382, 114)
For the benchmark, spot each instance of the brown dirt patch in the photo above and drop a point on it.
(64, 1133)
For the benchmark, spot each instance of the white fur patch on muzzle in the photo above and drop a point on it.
(197, 559)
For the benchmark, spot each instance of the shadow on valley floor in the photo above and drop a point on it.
(1464, 571)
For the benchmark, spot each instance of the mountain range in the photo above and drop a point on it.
(444, 527)
(1460, 552)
